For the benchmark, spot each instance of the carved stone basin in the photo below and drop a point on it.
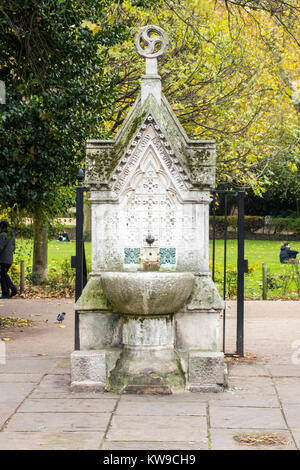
(147, 293)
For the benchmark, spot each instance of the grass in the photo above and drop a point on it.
(283, 278)
(256, 251)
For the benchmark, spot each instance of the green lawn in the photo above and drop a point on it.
(285, 279)
(257, 253)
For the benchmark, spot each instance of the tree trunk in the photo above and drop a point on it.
(40, 250)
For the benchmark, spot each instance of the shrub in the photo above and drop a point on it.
(253, 223)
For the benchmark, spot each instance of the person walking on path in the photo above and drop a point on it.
(7, 247)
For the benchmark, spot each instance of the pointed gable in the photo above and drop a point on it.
(191, 162)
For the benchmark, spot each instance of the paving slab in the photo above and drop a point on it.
(27, 364)
(158, 428)
(259, 386)
(38, 410)
(44, 336)
(7, 410)
(247, 370)
(38, 393)
(61, 365)
(223, 439)
(31, 378)
(239, 399)
(50, 440)
(292, 415)
(296, 435)
(288, 389)
(246, 417)
(65, 405)
(194, 397)
(15, 391)
(55, 382)
(58, 422)
(158, 407)
(284, 370)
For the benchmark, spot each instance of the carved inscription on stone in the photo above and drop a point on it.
(148, 183)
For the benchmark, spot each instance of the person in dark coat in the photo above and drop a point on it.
(7, 247)
(286, 253)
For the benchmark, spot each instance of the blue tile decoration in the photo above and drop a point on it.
(132, 255)
(167, 255)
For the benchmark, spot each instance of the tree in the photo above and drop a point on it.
(224, 82)
(53, 59)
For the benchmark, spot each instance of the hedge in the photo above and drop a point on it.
(270, 225)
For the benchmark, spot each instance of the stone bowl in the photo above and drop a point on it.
(147, 293)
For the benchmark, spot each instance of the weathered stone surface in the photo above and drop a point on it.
(150, 193)
(197, 330)
(198, 156)
(100, 330)
(205, 295)
(147, 293)
(206, 371)
(148, 331)
(147, 370)
(92, 297)
(88, 370)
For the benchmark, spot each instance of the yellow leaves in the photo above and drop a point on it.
(92, 26)
(7, 322)
(5, 339)
(293, 167)
(62, 326)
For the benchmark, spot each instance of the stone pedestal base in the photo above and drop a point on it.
(148, 362)
(88, 370)
(206, 371)
(147, 371)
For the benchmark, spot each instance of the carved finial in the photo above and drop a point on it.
(151, 42)
(144, 36)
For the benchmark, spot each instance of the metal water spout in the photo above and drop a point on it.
(150, 239)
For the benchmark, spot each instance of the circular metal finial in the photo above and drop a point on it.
(152, 42)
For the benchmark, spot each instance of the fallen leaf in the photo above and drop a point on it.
(5, 339)
(42, 354)
(62, 326)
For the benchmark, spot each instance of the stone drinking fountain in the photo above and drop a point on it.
(149, 314)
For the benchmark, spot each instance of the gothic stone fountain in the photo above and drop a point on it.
(149, 314)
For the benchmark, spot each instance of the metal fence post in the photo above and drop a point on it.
(22, 276)
(78, 261)
(264, 281)
(242, 269)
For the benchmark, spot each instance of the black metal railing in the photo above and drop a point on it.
(242, 264)
(79, 261)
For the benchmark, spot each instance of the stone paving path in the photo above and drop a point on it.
(38, 411)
